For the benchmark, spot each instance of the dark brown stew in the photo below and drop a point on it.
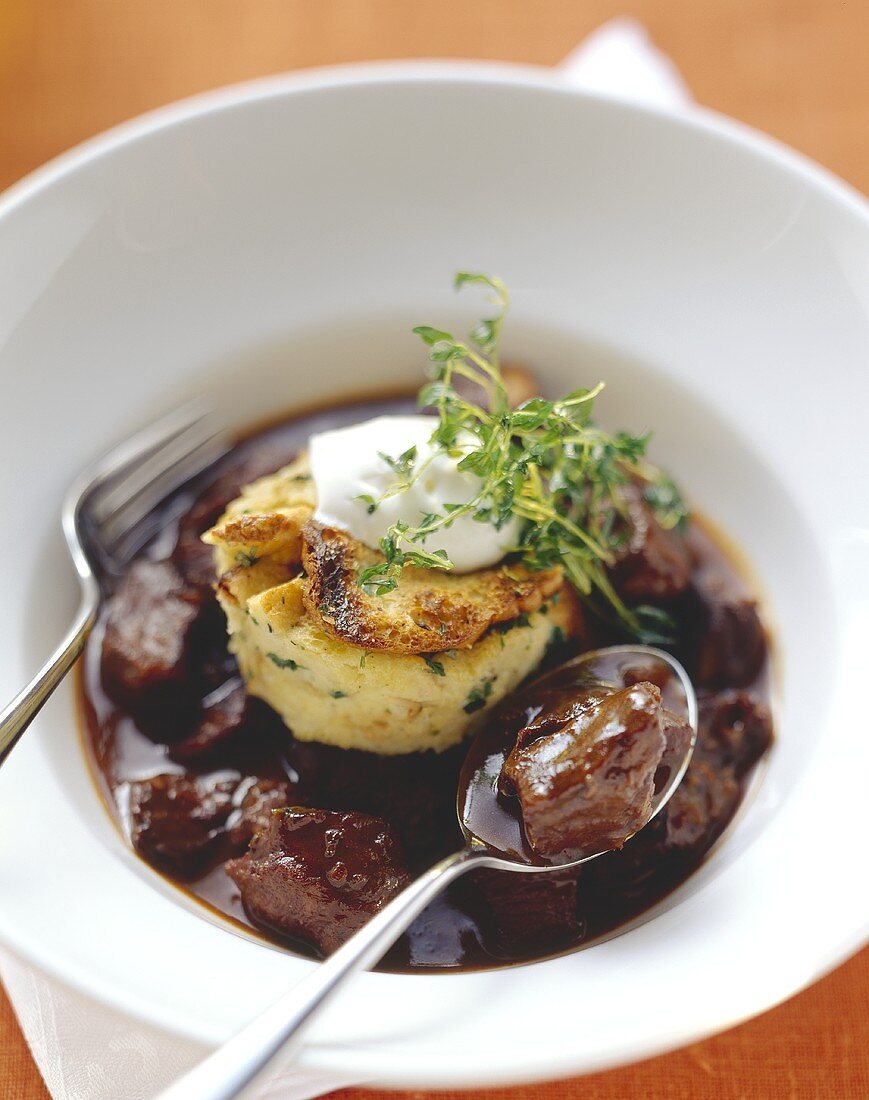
(191, 766)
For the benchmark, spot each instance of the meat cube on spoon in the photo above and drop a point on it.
(587, 784)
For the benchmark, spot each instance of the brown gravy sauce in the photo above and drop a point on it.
(455, 931)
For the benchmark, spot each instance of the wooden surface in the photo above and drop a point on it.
(69, 68)
(794, 68)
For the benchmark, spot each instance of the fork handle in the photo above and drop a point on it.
(241, 1060)
(17, 715)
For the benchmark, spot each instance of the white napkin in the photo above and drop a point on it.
(619, 59)
(86, 1051)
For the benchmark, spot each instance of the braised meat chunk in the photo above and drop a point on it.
(700, 807)
(176, 821)
(254, 802)
(586, 784)
(149, 627)
(414, 792)
(195, 560)
(730, 649)
(319, 876)
(737, 727)
(677, 734)
(530, 912)
(218, 724)
(654, 563)
(187, 824)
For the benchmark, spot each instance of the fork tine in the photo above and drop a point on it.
(111, 498)
(116, 528)
(132, 450)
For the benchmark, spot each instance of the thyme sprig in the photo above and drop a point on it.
(545, 463)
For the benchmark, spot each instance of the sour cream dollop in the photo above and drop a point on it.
(346, 464)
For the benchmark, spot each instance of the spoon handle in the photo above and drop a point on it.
(280, 1028)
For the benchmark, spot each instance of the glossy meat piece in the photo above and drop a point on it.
(528, 913)
(739, 728)
(665, 852)
(735, 732)
(176, 821)
(147, 641)
(217, 726)
(586, 785)
(254, 801)
(415, 793)
(731, 739)
(730, 649)
(318, 876)
(654, 564)
(677, 732)
(188, 823)
(214, 665)
(701, 805)
(193, 558)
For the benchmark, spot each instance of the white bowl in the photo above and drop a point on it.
(274, 243)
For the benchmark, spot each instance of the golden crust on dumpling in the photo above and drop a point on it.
(429, 612)
(266, 521)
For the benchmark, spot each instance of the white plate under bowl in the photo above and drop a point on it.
(272, 244)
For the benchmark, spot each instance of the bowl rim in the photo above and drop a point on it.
(359, 1061)
(535, 77)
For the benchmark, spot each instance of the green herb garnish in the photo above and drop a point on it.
(283, 662)
(403, 465)
(435, 667)
(546, 463)
(477, 697)
(666, 501)
(510, 624)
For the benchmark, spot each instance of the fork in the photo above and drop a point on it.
(102, 518)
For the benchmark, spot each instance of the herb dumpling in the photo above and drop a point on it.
(400, 673)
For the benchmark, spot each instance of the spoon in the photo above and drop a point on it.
(495, 840)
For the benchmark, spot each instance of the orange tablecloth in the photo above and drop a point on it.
(794, 68)
(814, 1047)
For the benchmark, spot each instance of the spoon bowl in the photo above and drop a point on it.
(491, 823)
